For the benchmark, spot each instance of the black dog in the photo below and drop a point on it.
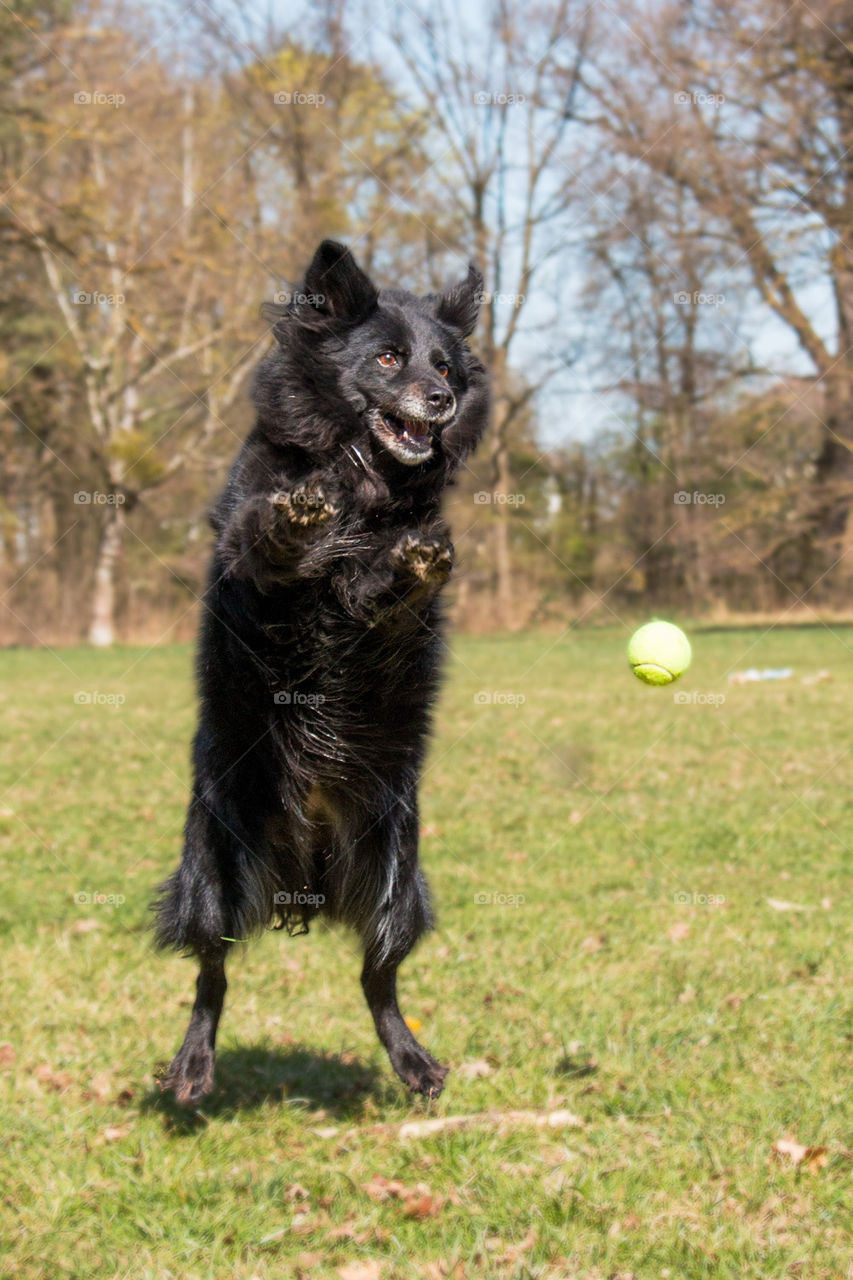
(321, 643)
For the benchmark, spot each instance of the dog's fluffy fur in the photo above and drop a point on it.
(321, 642)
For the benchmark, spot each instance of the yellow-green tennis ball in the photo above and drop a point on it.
(659, 653)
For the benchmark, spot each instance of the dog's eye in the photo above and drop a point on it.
(443, 369)
(388, 359)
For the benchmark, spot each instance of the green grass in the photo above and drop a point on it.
(687, 1036)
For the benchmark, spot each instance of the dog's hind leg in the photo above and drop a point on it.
(388, 939)
(190, 1076)
(198, 913)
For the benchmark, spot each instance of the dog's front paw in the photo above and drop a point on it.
(429, 560)
(304, 506)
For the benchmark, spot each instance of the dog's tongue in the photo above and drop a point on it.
(415, 433)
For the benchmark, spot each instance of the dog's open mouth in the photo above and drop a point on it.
(409, 440)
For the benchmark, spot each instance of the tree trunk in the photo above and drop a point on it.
(502, 553)
(501, 478)
(833, 488)
(102, 624)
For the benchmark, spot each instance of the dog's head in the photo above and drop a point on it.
(355, 361)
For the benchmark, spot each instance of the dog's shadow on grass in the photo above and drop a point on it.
(340, 1088)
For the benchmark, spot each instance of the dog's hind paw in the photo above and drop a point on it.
(190, 1077)
(430, 560)
(305, 505)
(417, 1069)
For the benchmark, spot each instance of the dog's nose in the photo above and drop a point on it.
(441, 399)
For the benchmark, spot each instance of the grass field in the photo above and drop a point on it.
(663, 952)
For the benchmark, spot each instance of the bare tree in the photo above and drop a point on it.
(138, 248)
(669, 358)
(747, 108)
(502, 100)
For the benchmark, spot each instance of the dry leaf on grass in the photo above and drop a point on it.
(379, 1188)
(423, 1204)
(779, 904)
(306, 1261)
(114, 1132)
(296, 1191)
(85, 926)
(417, 1201)
(372, 1235)
(56, 1080)
(7, 1055)
(560, 1181)
(367, 1270)
(442, 1270)
(814, 1158)
(678, 932)
(474, 1070)
(100, 1087)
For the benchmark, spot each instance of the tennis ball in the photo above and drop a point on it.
(659, 653)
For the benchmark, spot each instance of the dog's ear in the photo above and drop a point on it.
(459, 304)
(336, 286)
